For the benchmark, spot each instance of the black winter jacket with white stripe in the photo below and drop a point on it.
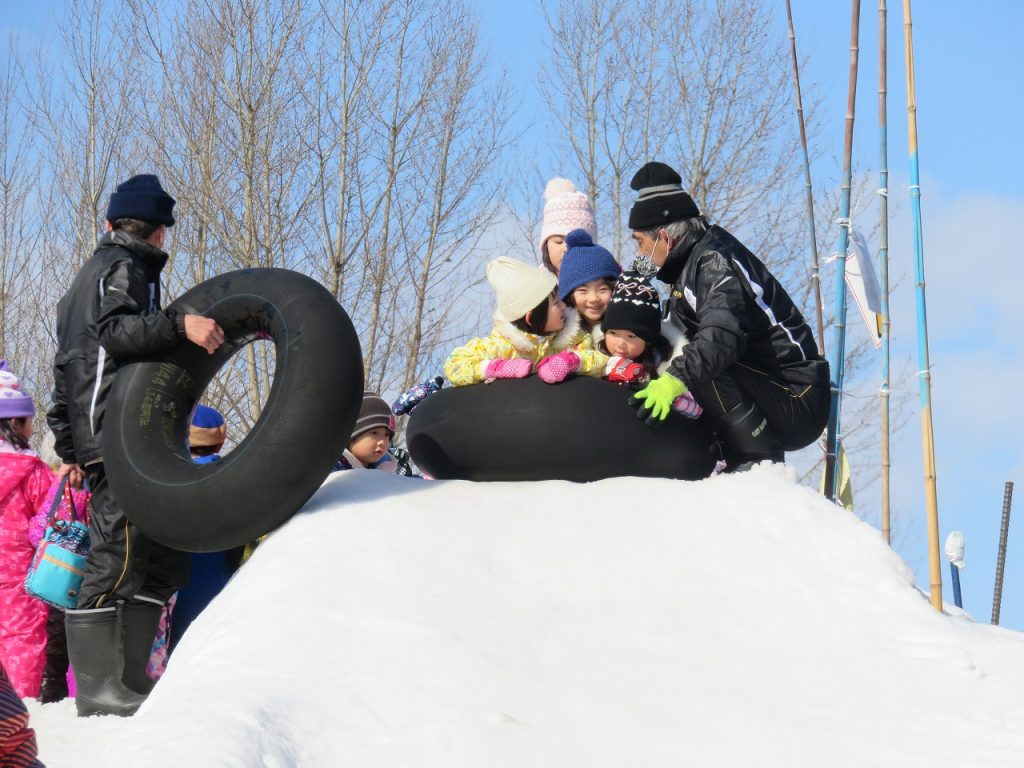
(110, 313)
(733, 310)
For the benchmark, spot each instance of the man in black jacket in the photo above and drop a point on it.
(751, 360)
(112, 313)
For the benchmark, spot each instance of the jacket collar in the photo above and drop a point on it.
(677, 257)
(154, 258)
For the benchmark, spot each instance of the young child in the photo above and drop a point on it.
(529, 327)
(565, 209)
(585, 284)
(18, 746)
(634, 337)
(57, 683)
(24, 482)
(370, 444)
(209, 572)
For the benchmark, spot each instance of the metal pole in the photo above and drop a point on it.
(955, 578)
(1004, 530)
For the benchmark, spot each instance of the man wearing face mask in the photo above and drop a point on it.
(752, 361)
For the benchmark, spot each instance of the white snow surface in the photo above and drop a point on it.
(741, 620)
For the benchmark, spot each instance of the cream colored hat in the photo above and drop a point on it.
(518, 286)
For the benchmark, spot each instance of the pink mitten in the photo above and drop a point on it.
(687, 405)
(508, 369)
(554, 368)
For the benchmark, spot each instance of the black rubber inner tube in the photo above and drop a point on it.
(302, 429)
(582, 429)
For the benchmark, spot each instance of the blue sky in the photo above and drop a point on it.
(969, 67)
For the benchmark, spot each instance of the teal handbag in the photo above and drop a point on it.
(55, 575)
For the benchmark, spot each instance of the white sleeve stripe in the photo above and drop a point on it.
(101, 359)
(759, 299)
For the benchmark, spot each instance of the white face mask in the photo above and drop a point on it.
(644, 263)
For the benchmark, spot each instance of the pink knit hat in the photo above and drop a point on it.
(14, 403)
(565, 209)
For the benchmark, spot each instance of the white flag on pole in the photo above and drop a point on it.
(863, 284)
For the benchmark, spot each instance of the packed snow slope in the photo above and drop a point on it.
(735, 621)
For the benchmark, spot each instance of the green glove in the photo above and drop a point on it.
(655, 400)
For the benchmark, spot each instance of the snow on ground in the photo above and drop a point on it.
(740, 620)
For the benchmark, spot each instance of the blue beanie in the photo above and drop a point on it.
(142, 198)
(583, 262)
(207, 428)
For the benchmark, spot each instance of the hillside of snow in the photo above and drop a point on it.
(740, 620)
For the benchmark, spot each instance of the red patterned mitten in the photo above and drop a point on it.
(622, 370)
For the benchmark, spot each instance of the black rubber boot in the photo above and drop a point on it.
(141, 621)
(96, 650)
(747, 438)
(54, 686)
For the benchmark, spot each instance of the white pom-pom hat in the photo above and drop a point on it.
(565, 209)
(518, 287)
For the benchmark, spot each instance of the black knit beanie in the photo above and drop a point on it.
(142, 198)
(662, 198)
(634, 307)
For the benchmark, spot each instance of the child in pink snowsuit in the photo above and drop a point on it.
(24, 481)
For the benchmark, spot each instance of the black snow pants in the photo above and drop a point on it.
(796, 413)
(123, 561)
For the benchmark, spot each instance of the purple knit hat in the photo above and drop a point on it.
(14, 404)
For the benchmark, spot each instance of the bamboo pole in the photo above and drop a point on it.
(833, 436)
(927, 433)
(815, 271)
(883, 259)
(1004, 531)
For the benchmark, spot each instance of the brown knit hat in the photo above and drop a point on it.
(373, 413)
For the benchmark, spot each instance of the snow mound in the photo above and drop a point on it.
(739, 620)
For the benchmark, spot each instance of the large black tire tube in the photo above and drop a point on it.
(303, 427)
(582, 429)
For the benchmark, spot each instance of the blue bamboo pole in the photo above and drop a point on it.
(883, 259)
(927, 433)
(833, 435)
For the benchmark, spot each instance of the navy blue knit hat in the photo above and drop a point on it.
(583, 262)
(142, 198)
(662, 198)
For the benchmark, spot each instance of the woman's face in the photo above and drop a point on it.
(556, 248)
(591, 300)
(624, 343)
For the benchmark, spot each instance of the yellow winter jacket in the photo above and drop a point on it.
(468, 363)
(585, 344)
